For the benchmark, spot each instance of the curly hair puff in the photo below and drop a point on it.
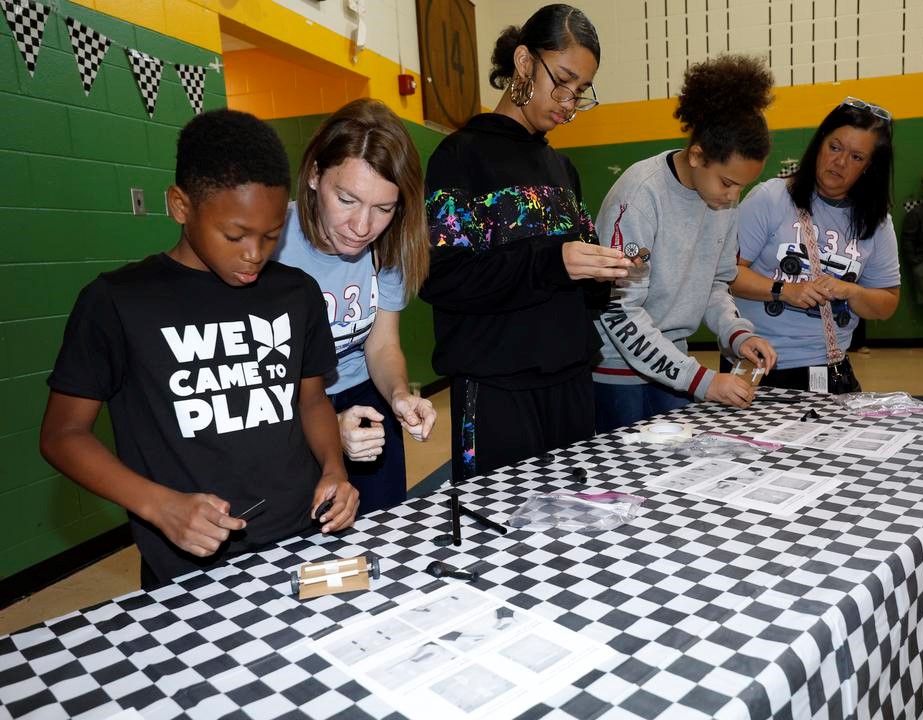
(721, 106)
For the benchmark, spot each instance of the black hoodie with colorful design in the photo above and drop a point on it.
(501, 203)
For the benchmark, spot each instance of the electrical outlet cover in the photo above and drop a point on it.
(137, 202)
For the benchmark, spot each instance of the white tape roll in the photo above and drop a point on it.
(665, 432)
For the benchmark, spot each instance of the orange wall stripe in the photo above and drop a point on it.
(200, 22)
(270, 86)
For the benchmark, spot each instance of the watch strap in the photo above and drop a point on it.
(776, 290)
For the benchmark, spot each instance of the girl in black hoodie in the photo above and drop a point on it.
(515, 257)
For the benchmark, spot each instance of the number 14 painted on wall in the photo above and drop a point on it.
(456, 59)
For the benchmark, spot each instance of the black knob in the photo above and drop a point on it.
(440, 569)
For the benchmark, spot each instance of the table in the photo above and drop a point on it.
(712, 611)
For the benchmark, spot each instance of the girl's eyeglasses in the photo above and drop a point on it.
(876, 110)
(564, 94)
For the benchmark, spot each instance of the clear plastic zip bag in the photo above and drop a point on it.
(872, 404)
(722, 445)
(579, 512)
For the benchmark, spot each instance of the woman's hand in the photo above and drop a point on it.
(362, 444)
(834, 288)
(585, 261)
(807, 294)
(416, 414)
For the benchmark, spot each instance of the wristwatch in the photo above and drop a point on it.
(776, 290)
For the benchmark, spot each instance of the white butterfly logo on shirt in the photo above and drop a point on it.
(271, 337)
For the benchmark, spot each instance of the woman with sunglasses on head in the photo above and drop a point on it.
(515, 255)
(818, 250)
(681, 205)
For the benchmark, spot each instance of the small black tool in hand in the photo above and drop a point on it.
(440, 569)
(322, 508)
(250, 511)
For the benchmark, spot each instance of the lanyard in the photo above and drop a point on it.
(834, 354)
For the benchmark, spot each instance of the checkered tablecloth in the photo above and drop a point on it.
(713, 611)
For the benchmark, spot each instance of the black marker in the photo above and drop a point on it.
(782, 400)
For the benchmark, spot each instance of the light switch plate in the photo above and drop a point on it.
(137, 202)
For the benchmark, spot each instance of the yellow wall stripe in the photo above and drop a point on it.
(180, 19)
(794, 107)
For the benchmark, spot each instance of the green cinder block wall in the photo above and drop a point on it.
(594, 163)
(417, 318)
(67, 162)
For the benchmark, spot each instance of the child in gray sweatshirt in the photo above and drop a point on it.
(680, 208)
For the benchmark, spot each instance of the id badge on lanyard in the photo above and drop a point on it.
(817, 378)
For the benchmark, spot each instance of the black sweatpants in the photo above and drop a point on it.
(492, 427)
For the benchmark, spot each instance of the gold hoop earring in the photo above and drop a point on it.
(521, 90)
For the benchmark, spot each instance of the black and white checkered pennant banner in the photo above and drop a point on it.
(789, 168)
(90, 47)
(912, 203)
(147, 70)
(192, 78)
(27, 21)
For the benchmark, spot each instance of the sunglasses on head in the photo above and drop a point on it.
(876, 110)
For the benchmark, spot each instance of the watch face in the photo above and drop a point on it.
(631, 250)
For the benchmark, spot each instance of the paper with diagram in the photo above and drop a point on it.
(777, 492)
(867, 441)
(459, 653)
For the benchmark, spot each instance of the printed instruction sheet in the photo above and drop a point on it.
(458, 652)
(777, 492)
(866, 441)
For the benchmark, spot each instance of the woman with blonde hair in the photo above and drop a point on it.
(358, 227)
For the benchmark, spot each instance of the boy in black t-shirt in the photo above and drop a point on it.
(211, 358)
